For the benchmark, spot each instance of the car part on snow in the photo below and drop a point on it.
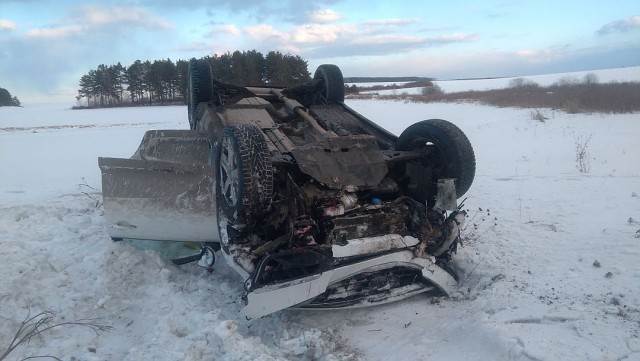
(446, 197)
(312, 204)
(207, 257)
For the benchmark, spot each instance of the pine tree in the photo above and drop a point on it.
(5, 98)
(134, 76)
(165, 81)
(182, 67)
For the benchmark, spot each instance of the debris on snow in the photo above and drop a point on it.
(596, 264)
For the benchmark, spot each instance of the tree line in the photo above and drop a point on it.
(165, 82)
(8, 100)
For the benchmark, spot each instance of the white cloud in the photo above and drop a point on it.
(263, 32)
(344, 39)
(541, 55)
(7, 25)
(98, 16)
(620, 26)
(526, 53)
(303, 34)
(90, 19)
(403, 38)
(55, 32)
(319, 33)
(229, 29)
(324, 16)
(292, 49)
(386, 39)
(392, 21)
(457, 37)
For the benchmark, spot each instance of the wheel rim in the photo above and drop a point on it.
(433, 152)
(229, 173)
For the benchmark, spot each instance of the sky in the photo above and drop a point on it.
(47, 45)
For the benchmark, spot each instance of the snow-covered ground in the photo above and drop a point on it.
(603, 76)
(385, 83)
(451, 86)
(551, 273)
(401, 91)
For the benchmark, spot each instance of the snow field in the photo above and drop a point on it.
(531, 288)
(62, 260)
(46, 147)
(57, 256)
(531, 278)
(452, 86)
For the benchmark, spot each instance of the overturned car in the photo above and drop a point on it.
(314, 205)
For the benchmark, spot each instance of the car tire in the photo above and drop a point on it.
(333, 82)
(199, 86)
(243, 180)
(453, 156)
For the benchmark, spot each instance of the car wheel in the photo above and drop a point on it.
(448, 151)
(333, 82)
(244, 180)
(199, 85)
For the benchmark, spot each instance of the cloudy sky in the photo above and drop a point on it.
(46, 45)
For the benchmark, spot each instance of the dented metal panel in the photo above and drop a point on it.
(268, 299)
(180, 146)
(158, 200)
(248, 114)
(338, 162)
(373, 245)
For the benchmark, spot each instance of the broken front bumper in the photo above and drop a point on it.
(393, 272)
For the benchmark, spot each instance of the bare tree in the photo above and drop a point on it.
(431, 90)
(590, 78)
